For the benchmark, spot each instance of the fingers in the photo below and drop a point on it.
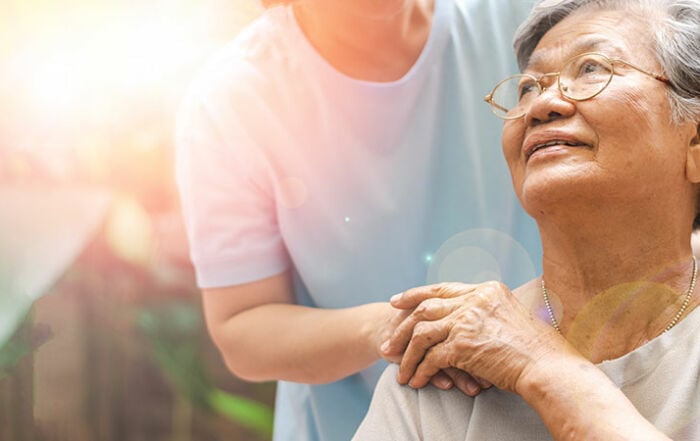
(413, 297)
(485, 334)
(431, 302)
(448, 378)
(432, 363)
(442, 380)
(484, 384)
(384, 331)
(425, 336)
(465, 382)
(394, 359)
(430, 310)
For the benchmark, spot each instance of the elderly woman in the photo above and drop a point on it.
(602, 138)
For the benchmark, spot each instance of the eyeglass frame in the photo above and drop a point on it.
(611, 60)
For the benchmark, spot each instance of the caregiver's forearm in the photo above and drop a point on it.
(295, 343)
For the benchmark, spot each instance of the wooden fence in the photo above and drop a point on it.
(96, 377)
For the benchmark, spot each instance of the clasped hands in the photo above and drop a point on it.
(466, 336)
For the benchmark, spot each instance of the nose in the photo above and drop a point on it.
(548, 106)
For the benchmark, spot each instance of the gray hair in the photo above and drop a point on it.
(676, 38)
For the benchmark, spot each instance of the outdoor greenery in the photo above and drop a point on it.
(115, 349)
(174, 332)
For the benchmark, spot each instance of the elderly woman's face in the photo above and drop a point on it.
(621, 142)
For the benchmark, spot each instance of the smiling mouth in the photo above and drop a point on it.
(556, 142)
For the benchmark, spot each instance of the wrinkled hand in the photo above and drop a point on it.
(479, 329)
(443, 379)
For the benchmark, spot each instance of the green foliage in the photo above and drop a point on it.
(21, 344)
(11, 353)
(174, 332)
(250, 414)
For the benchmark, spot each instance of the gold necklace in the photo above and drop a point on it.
(671, 324)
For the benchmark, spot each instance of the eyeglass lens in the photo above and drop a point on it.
(581, 78)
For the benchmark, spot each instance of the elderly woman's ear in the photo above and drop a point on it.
(692, 165)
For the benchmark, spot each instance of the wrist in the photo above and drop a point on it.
(576, 400)
(375, 328)
(555, 362)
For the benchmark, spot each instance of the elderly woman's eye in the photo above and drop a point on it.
(591, 66)
(525, 88)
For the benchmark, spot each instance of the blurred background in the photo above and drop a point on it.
(101, 332)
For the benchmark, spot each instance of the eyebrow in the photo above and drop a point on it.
(590, 44)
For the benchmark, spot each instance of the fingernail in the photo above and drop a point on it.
(472, 389)
(444, 383)
(385, 346)
(395, 297)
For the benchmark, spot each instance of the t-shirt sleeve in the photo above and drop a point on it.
(226, 188)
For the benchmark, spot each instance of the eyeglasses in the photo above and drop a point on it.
(582, 77)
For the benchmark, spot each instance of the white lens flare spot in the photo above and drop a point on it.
(469, 264)
(479, 255)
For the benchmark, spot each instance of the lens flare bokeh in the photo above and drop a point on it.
(101, 331)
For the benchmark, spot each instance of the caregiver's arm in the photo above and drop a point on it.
(263, 336)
